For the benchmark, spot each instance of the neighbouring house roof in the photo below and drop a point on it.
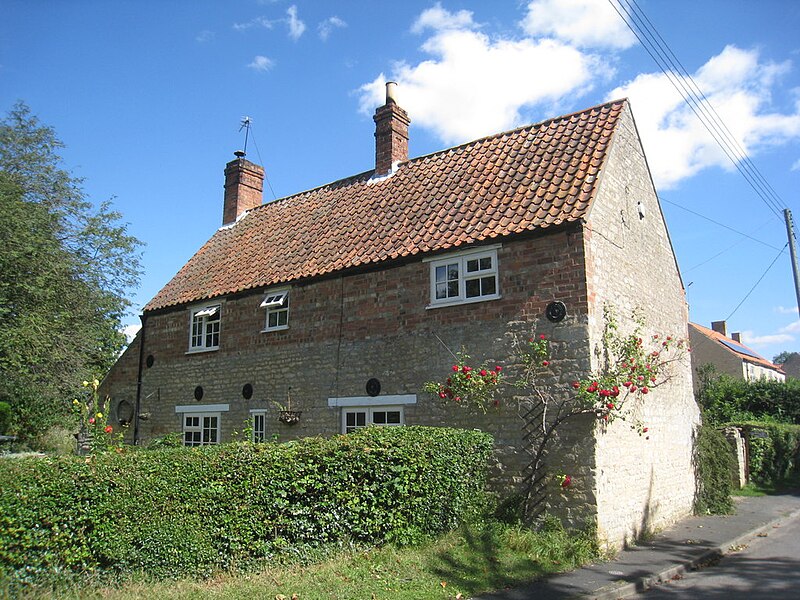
(736, 348)
(522, 180)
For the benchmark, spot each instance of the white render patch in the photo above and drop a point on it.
(378, 178)
(202, 408)
(239, 218)
(373, 400)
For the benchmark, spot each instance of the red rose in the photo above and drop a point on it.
(455, 367)
(610, 405)
(645, 390)
(545, 363)
(644, 430)
(457, 398)
(633, 388)
(484, 373)
(498, 369)
(566, 482)
(442, 395)
(541, 336)
(108, 429)
(576, 384)
(91, 420)
(627, 384)
(615, 391)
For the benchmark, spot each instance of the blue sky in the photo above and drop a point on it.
(148, 96)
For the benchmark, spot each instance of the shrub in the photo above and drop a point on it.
(188, 512)
(713, 460)
(776, 456)
(5, 417)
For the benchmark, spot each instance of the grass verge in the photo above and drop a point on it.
(767, 489)
(466, 562)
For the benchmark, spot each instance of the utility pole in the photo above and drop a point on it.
(787, 214)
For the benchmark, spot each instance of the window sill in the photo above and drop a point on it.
(202, 350)
(271, 329)
(460, 302)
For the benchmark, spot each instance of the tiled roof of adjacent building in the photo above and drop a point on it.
(737, 348)
(529, 178)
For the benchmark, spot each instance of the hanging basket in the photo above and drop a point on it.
(289, 417)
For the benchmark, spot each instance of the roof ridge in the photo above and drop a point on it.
(353, 178)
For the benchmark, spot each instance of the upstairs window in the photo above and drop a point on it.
(205, 328)
(463, 278)
(276, 304)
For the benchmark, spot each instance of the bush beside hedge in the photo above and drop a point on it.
(775, 457)
(188, 512)
(713, 462)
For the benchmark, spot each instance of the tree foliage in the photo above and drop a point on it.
(725, 399)
(66, 266)
(782, 357)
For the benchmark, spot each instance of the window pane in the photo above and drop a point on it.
(452, 271)
(441, 291)
(272, 319)
(472, 265)
(473, 287)
(393, 417)
(350, 419)
(452, 289)
(283, 318)
(441, 274)
(488, 286)
(486, 263)
(379, 418)
(361, 419)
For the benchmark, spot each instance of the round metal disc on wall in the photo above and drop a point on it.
(247, 391)
(198, 393)
(373, 387)
(149, 360)
(556, 311)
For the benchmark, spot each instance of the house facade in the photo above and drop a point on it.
(729, 355)
(340, 302)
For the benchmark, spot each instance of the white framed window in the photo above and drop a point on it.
(464, 277)
(358, 417)
(259, 425)
(204, 332)
(200, 429)
(276, 304)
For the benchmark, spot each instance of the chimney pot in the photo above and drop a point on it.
(391, 133)
(720, 327)
(736, 337)
(244, 184)
(240, 154)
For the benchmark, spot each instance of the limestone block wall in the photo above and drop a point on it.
(346, 330)
(641, 482)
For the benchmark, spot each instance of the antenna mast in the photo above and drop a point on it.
(246, 121)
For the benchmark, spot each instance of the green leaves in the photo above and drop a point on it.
(188, 512)
(65, 270)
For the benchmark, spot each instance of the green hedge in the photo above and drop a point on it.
(189, 512)
(714, 461)
(775, 457)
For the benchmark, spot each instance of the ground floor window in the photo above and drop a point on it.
(200, 429)
(362, 416)
(259, 426)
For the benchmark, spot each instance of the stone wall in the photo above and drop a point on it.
(641, 482)
(375, 324)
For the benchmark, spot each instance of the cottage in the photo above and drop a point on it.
(339, 302)
(729, 355)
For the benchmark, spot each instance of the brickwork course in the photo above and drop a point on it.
(568, 206)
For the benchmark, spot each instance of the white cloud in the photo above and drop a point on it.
(296, 26)
(130, 331)
(257, 22)
(473, 85)
(786, 310)
(328, 25)
(583, 23)
(205, 36)
(440, 19)
(738, 86)
(261, 63)
(765, 340)
(796, 165)
(793, 327)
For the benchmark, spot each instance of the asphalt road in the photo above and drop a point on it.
(767, 567)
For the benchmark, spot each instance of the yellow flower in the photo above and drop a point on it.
(99, 415)
(75, 402)
(95, 384)
(85, 383)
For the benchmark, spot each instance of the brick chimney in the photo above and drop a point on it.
(244, 184)
(391, 133)
(736, 337)
(720, 327)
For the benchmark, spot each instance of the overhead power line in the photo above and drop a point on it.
(655, 45)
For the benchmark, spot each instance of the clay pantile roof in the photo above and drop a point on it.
(737, 348)
(529, 178)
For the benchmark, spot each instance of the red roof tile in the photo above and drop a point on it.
(729, 344)
(530, 178)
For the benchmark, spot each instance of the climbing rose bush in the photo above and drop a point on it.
(467, 385)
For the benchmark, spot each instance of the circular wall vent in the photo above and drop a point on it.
(247, 391)
(556, 311)
(198, 393)
(373, 387)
